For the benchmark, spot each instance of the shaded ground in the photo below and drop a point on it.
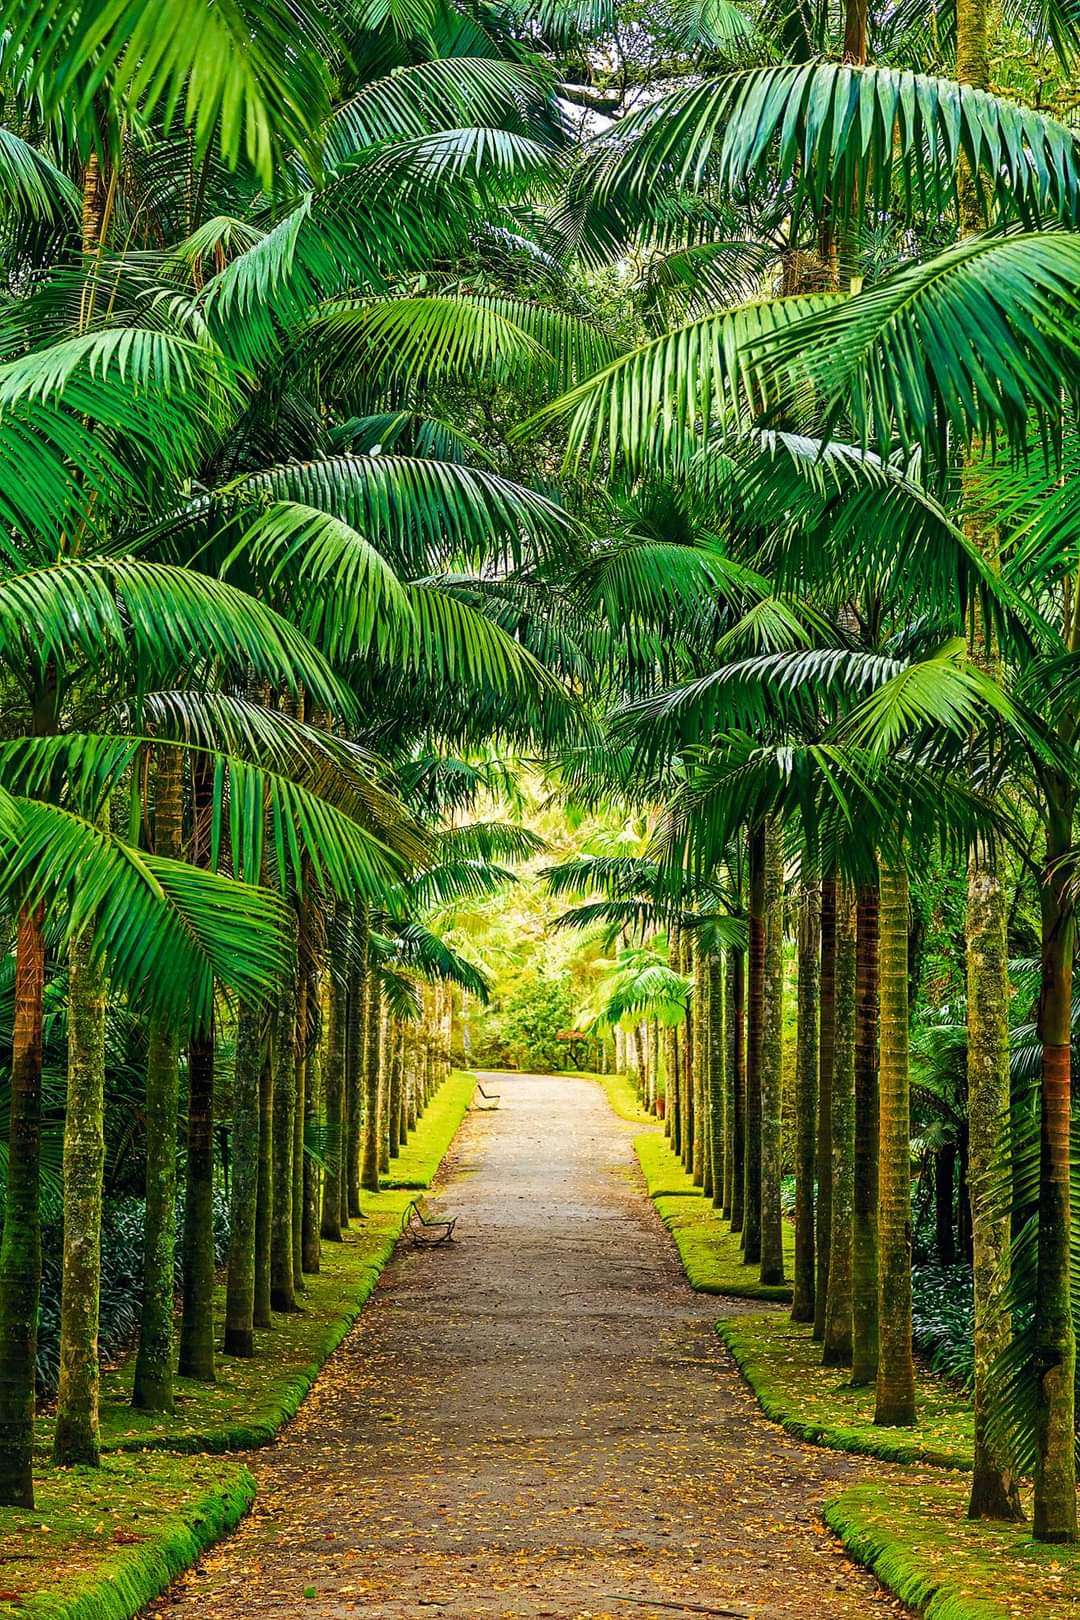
(539, 1421)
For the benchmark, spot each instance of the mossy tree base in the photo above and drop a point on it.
(782, 1364)
(918, 1541)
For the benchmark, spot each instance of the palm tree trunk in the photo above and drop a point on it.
(299, 1105)
(197, 1318)
(311, 1248)
(994, 1490)
(864, 1248)
(826, 1059)
(896, 1373)
(77, 1436)
(717, 1076)
(384, 1091)
(240, 1284)
(20, 1247)
(701, 1157)
(264, 1192)
(334, 1104)
(369, 1170)
(772, 1055)
(1055, 1344)
(836, 1350)
(751, 1231)
(282, 1288)
(355, 1045)
(153, 1386)
(394, 1122)
(738, 1090)
(806, 1086)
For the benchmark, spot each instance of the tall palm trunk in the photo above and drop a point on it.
(196, 1358)
(20, 1246)
(299, 1094)
(836, 1351)
(334, 1105)
(394, 1121)
(738, 1090)
(355, 1042)
(772, 1056)
(751, 1231)
(369, 1168)
(76, 1438)
(311, 1248)
(994, 1490)
(384, 1091)
(264, 1191)
(826, 1061)
(701, 1169)
(806, 1087)
(896, 1373)
(1055, 1344)
(153, 1386)
(282, 1286)
(717, 1076)
(244, 1191)
(864, 1248)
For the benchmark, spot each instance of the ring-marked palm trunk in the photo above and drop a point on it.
(311, 1249)
(702, 1159)
(334, 1105)
(243, 1194)
(896, 1373)
(836, 1350)
(369, 1165)
(153, 1386)
(826, 1060)
(394, 1125)
(1054, 1517)
(196, 1359)
(864, 1250)
(384, 1091)
(738, 1089)
(282, 1285)
(994, 1490)
(355, 1041)
(20, 1247)
(772, 1055)
(806, 1088)
(264, 1192)
(751, 1231)
(76, 1438)
(717, 1075)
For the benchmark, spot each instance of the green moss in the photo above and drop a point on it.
(782, 1364)
(918, 1542)
(102, 1543)
(710, 1254)
(620, 1093)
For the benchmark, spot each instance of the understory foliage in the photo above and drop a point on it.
(399, 403)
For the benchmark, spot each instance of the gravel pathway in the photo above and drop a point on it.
(538, 1421)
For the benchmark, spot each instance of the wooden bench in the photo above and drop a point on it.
(422, 1232)
(490, 1102)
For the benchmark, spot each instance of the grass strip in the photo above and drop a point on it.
(620, 1093)
(101, 1543)
(919, 1543)
(782, 1364)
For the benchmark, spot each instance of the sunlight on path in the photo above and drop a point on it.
(539, 1421)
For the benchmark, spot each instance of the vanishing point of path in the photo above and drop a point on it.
(538, 1421)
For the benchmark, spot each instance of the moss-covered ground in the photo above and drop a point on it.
(782, 1364)
(917, 1540)
(710, 1253)
(100, 1544)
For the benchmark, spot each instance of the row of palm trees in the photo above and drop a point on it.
(847, 589)
(252, 674)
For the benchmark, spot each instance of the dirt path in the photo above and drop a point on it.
(539, 1421)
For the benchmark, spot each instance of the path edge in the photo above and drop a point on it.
(125, 1584)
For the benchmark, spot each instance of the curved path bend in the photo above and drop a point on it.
(538, 1421)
